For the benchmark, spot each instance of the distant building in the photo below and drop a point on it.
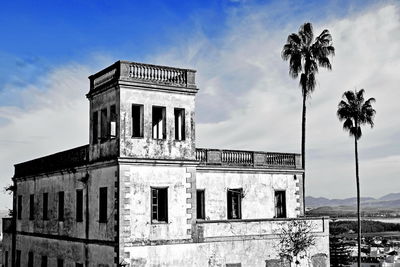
(141, 193)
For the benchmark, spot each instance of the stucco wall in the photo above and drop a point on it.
(135, 198)
(147, 147)
(258, 192)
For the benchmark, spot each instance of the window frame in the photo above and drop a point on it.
(233, 193)
(179, 113)
(157, 220)
(200, 207)
(103, 211)
(164, 123)
(139, 117)
(284, 206)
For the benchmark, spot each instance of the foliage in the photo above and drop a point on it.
(9, 189)
(367, 226)
(355, 111)
(295, 239)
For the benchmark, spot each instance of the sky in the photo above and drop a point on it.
(246, 100)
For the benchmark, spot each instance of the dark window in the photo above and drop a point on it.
(18, 260)
(159, 123)
(200, 204)
(60, 263)
(103, 205)
(19, 209)
(104, 128)
(31, 206)
(78, 264)
(6, 259)
(159, 204)
(30, 259)
(45, 205)
(61, 206)
(113, 122)
(137, 120)
(280, 204)
(235, 203)
(44, 261)
(179, 123)
(79, 205)
(95, 129)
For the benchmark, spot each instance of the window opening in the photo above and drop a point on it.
(280, 204)
(103, 205)
(79, 205)
(235, 203)
(179, 123)
(45, 205)
(61, 206)
(137, 120)
(159, 123)
(95, 131)
(200, 204)
(159, 204)
(31, 206)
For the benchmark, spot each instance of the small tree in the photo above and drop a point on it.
(295, 240)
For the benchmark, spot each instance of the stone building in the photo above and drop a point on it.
(142, 194)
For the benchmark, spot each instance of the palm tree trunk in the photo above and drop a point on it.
(358, 202)
(303, 151)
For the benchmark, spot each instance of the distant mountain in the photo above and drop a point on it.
(388, 201)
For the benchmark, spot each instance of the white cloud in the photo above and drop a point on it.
(247, 100)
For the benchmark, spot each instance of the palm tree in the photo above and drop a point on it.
(305, 55)
(355, 112)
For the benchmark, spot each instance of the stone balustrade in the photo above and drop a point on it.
(248, 158)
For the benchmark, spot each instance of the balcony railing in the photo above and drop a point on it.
(208, 231)
(248, 158)
(144, 73)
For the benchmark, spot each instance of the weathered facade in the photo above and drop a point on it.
(141, 193)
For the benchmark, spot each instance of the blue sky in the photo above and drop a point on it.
(246, 100)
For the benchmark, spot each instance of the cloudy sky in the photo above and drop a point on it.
(246, 100)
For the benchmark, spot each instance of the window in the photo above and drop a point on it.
(18, 260)
(179, 123)
(30, 259)
(60, 263)
(104, 128)
(235, 203)
(113, 122)
(95, 128)
(103, 205)
(200, 204)
(61, 206)
(137, 120)
(44, 261)
(19, 208)
(159, 127)
(45, 205)
(159, 205)
(31, 206)
(79, 205)
(6, 259)
(78, 264)
(280, 204)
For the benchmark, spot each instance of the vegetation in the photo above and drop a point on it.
(305, 55)
(355, 112)
(366, 227)
(295, 239)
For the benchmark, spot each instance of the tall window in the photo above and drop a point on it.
(113, 122)
(19, 208)
(95, 127)
(31, 206)
(45, 205)
(137, 120)
(103, 205)
(61, 206)
(79, 205)
(30, 259)
(159, 205)
(159, 123)
(44, 261)
(104, 126)
(200, 204)
(179, 123)
(280, 204)
(6, 259)
(235, 203)
(60, 263)
(18, 260)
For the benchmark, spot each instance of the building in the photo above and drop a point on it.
(141, 193)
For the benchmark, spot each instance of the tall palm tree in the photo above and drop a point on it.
(355, 112)
(305, 55)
